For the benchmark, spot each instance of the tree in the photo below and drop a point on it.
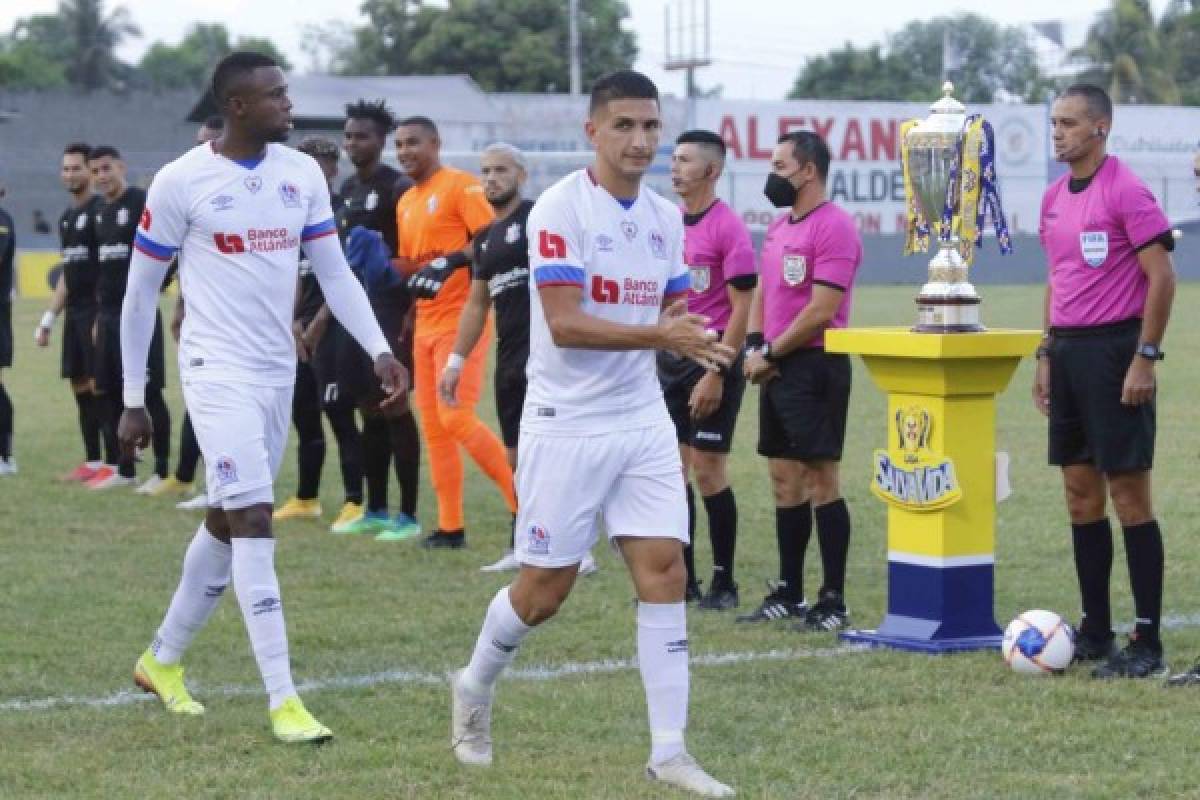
(1125, 54)
(1180, 33)
(189, 63)
(33, 55)
(985, 60)
(91, 39)
(505, 45)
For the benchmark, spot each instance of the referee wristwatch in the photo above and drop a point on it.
(767, 355)
(1150, 352)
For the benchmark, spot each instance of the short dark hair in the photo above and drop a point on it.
(376, 112)
(215, 122)
(809, 148)
(78, 149)
(1099, 104)
(706, 139)
(102, 151)
(621, 85)
(420, 122)
(319, 147)
(234, 66)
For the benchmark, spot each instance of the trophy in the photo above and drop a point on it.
(950, 183)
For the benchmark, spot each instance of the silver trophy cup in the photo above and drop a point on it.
(947, 303)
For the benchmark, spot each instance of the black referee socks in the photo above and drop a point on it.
(1144, 555)
(833, 534)
(6, 423)
(1093, 564)
(793, 529)
(722, 532)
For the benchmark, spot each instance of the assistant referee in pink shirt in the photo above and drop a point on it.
(1111, 285)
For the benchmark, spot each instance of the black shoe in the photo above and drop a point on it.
(1189, 678)
(693, 593)
(1137, 659)
(453, 540)
(720, 597)
(829, 613)
(779, 604)
(1093, 648)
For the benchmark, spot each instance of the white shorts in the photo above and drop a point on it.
(242, 430)
(633, 479)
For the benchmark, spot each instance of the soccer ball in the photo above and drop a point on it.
(1038, 642)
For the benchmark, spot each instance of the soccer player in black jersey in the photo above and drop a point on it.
(114, 225)
(369, 200)
(76, 292)
(8, 244)
(315, 372)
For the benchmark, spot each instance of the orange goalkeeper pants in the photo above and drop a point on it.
(446, 427)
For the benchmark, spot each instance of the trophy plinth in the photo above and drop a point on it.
(947, 303)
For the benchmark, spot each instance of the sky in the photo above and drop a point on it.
(757, 46)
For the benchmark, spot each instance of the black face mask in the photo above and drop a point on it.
(780, 191)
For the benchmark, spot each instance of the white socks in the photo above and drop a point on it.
(662, 650)
(206, 571)
(258, 594)
(496, 646)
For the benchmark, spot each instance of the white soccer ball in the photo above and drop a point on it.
(1038, 643)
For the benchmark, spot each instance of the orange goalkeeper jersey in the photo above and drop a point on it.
(440, 215)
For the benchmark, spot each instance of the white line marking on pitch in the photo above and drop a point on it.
(126, 697)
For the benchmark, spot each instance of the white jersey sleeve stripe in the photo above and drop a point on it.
(318, 230)
(558, 275)
(153, 249)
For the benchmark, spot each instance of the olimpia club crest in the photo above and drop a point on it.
(911, 476)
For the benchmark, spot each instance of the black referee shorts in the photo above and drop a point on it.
(802, 413)
(78, 349)
(6, 338)
(1088, 422)
(106, 363)
(714, 433)
(510, 399)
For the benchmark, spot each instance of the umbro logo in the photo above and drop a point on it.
(267, 605)
(214, 590)
(502, 647)
(677, 646)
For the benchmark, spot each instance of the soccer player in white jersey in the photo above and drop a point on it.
(237, 209)
(606, 256)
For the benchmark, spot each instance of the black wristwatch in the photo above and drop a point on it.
(1150, 351)
(767, 355)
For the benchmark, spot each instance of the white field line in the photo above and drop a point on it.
(126, 697)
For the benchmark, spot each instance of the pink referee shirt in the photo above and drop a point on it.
(824, 248)
(1091, 241)
(716, 247)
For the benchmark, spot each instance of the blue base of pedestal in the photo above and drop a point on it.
(936, 609)
(932, 647)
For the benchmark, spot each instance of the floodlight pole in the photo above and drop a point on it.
(574, 54)
(695, 54)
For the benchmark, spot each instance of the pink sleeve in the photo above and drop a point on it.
(739, 249)
(1140, 214)
(838, 253)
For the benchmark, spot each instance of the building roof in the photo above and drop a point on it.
(320, 100)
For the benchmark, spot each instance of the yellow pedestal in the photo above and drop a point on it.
(937, 475)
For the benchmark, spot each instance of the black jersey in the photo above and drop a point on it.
(502, 259)
(372, 204)
(8, 249)
(311, 297)
(115, 225)
(77, 234)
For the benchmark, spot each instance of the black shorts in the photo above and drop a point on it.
(323, 364)
(356, 378)
(510, 399)
(1088, 423)
(802, 413)
(78, 350)
(714, 433)
(106, 362)
(6, 340)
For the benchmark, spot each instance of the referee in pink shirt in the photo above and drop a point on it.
(1111, 285)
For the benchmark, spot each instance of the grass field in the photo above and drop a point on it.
(373, 627)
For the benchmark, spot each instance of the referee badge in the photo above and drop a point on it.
(795, 268)
(701, 279)
(1094, 247)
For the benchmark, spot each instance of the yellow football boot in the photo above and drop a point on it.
(299, 509)
(291, 722)
(166, 681)
(170, 485)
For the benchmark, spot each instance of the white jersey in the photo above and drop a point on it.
(238, 227)
(627, 261)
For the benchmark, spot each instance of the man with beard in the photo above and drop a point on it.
(238, 212)
(76, 292)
